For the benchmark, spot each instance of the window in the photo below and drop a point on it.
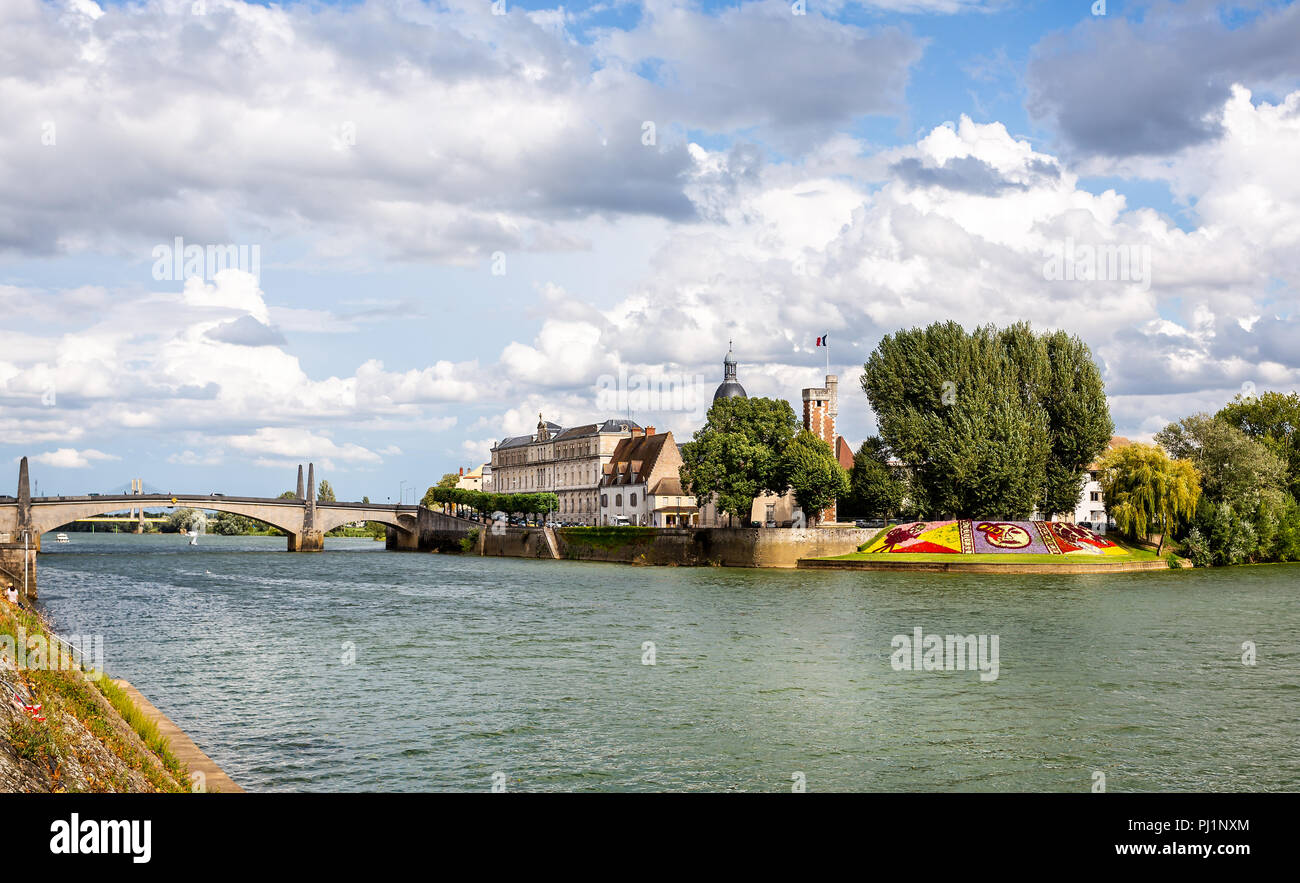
(1096, 496)
(632, 500)
(618, 499)
(604, 500)
(1092, 476)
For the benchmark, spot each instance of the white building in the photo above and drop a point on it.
(640, 484)
(1092, 504)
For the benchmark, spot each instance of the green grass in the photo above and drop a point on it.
(72, 693)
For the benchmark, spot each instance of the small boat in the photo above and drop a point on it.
(61, 538)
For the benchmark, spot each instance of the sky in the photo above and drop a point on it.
(419, 225)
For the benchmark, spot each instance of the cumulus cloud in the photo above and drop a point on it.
(1119, 88)
(71, 458)
(401, 130)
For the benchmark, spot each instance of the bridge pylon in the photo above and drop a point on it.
(310, 538)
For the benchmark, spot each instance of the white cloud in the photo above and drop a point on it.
(71, 458)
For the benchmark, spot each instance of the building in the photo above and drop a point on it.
(1092, 504)
(821, 405)
(472, 480)
(641, 483)
(729, 387)
(566, 462)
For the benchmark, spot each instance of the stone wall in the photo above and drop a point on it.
(11, 567)
(726, 547)
(435, 532)
(516, 542)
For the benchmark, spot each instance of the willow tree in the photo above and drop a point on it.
(1147, 490)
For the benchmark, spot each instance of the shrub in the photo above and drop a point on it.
(1198, 548)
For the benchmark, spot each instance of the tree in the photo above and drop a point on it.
(993, 423)
(813, 473)
(1146, 490)
(324, 493)
(181, 520)
(737, 453)
(1274, 419)
(874, 489)
(1234, 468)
(288, 495)
(448, 480)
(1078, 420)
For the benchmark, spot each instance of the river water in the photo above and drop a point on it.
(360, 669)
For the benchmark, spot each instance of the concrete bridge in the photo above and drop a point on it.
(305, 521)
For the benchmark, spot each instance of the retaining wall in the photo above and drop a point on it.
(680, 547)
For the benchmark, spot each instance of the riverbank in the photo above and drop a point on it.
(64, 729)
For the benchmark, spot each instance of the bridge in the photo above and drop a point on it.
(302, 518)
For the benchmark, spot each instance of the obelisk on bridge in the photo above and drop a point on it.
(25, 506)
(310, 539)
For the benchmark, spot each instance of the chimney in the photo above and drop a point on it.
(462, 470)
(649, 430)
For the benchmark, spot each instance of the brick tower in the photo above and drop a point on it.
(820, 407)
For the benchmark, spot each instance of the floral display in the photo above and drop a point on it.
(974, 536)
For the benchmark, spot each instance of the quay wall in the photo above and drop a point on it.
(13, 560)
(679, 547)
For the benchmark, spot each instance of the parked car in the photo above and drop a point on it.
(869, 522)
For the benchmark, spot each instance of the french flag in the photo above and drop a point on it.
(821, 341)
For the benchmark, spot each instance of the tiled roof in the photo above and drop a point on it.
(670, 486)
(639, 454)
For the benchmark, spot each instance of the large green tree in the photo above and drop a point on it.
(991, 422)
(1079, 425)
(448, 480)
(1234, 468)
(1274, 419)
(737, 454)
(874, 488)
(813, 473)
(325, 493)
(1146, 491)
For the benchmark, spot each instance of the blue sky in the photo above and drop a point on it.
(860, 168)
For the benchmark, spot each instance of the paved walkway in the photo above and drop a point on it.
(215, 778)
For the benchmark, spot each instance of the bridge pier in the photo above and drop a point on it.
(14, 561)
(307, 541)
(397, 540)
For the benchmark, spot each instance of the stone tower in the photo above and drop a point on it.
(820, 408)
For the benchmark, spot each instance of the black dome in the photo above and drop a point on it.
(730, 387)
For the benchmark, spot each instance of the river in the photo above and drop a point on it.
(357, 669)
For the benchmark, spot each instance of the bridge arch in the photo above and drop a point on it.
(50, 514)
(330, 517)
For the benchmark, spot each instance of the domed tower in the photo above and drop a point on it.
(729, 387)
